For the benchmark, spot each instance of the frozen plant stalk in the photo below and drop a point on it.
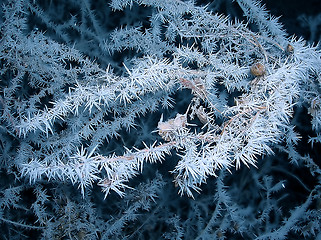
(72, 108)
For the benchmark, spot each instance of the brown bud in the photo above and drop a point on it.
(289, 48)
(258, 69)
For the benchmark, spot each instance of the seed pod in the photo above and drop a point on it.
(258, 69)
(167, 129)
(202, 116)
(289, 48)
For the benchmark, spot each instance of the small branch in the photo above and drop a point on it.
(21, 224)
